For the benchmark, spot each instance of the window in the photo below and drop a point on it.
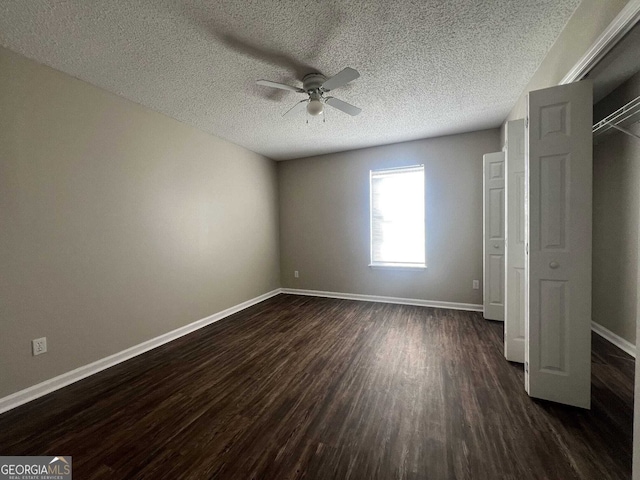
(397, 217)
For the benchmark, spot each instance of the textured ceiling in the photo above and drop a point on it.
(428, 68)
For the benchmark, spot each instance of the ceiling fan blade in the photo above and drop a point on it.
(296, 107)
(281, 86)
(343, 106)
(339, 79)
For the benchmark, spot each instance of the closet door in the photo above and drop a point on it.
(514, 252)
(558, 165)
(493, 288)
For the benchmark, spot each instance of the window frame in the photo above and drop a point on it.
(397, 265)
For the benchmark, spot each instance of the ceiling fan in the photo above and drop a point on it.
(315, 85)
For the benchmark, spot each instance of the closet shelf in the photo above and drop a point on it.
(623, 117)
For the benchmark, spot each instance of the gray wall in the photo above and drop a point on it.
(616, 198)
(324, 219)
(117, 224)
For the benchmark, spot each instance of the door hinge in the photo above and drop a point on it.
(526, 367)
(526, 122)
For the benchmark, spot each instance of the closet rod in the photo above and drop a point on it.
(618, 120)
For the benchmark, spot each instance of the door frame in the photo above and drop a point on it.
(617, 29)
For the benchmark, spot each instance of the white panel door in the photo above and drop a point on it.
(558, 171)
(514, 238)
(493, 288)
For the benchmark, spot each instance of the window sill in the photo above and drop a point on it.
(398, 266)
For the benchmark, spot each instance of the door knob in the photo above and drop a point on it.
(496, 246)
(554, 265)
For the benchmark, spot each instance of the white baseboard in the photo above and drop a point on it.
(617, 340)
(48, 386)
(375, 298)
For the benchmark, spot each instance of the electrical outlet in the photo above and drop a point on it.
(39, 346)
(476, 284)
(295, 274)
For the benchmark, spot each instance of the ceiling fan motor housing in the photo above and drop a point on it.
(313, 81)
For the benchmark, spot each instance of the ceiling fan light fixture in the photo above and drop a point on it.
(315, 107)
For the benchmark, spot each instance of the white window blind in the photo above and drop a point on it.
(397, 217)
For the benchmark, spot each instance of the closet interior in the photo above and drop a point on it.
(616, 189)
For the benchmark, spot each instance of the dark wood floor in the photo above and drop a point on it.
(300, 387)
